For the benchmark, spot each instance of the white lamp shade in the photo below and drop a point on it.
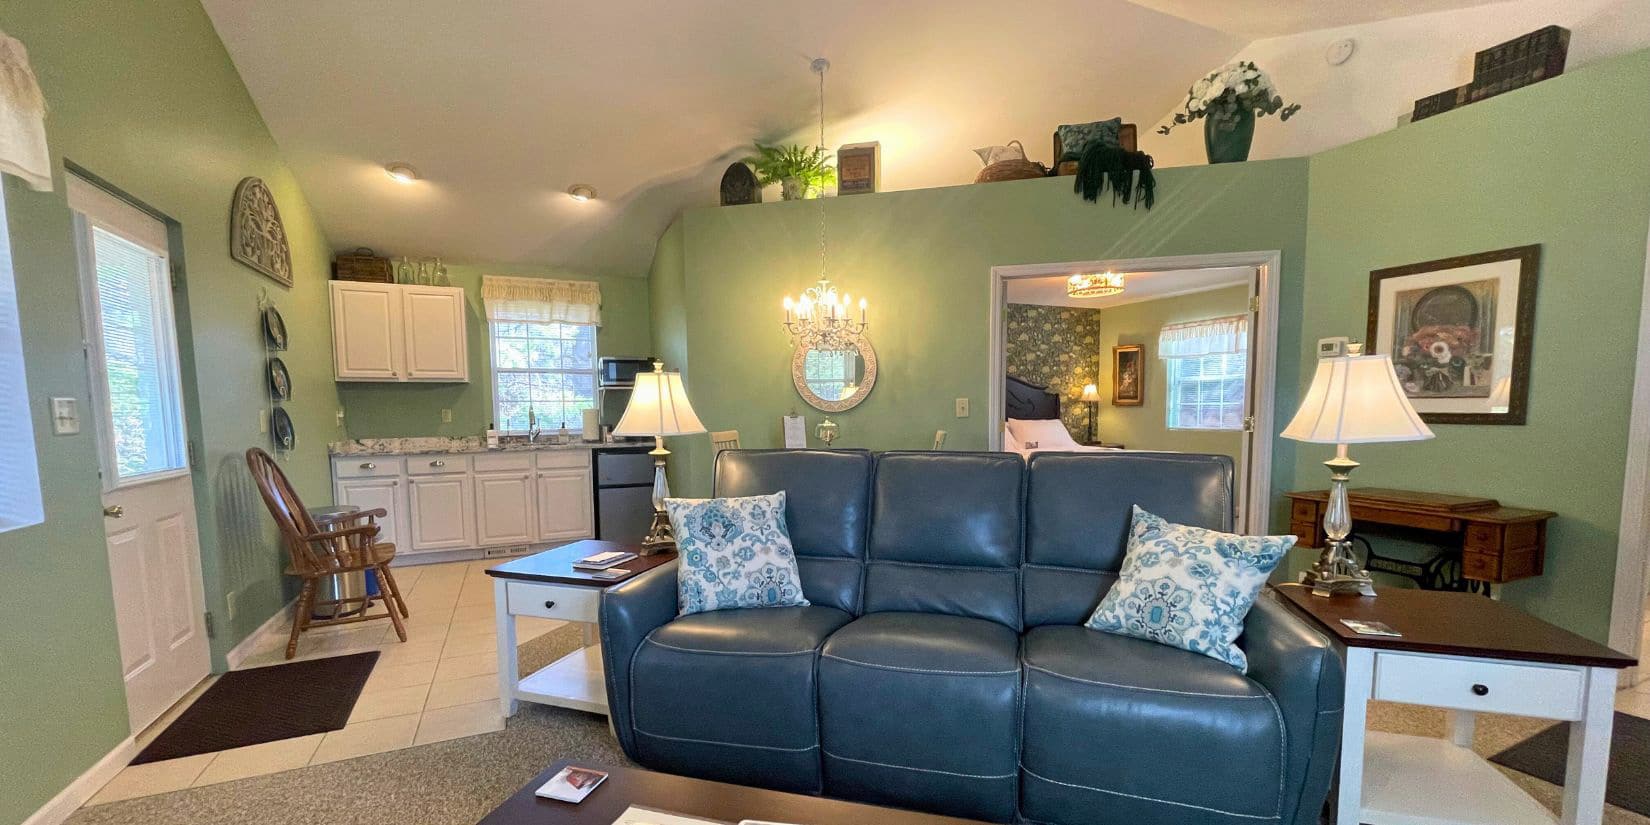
(658, 406)
(1356, 399)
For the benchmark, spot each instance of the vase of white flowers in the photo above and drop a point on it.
(1227, 101)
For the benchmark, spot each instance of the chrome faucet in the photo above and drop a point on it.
(532, 426)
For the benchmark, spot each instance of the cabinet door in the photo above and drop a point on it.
(435, 337)
(372, 494)
(366, 331)
(564, 504)
(441, 511)
(504, 508)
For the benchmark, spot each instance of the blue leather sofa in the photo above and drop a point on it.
(943, 666)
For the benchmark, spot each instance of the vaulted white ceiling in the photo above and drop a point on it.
(502, 105)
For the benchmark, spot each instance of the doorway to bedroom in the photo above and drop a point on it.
(1161, 354)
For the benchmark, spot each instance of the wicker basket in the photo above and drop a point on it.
(362, 265)
(1011, 170)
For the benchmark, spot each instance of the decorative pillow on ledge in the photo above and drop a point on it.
(734, 552)
(1188, 587)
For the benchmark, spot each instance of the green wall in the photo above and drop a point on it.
(1057, 347)
(1146, 427)
(1565, 164)
(923, 258)
(171, 124)
(401, 410)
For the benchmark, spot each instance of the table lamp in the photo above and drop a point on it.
(1091, 397)
(1354, 399)
(659, 407)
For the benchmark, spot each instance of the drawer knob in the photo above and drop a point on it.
(438, 464)
(367, 465)
(549, 605)
(1480, 690)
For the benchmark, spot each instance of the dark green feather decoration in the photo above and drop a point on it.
(1129, 174)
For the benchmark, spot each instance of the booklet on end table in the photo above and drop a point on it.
(571, 784)
(637, 815)
(602, 561)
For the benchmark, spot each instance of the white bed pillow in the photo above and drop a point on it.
(1041, 433)
(1010, 443)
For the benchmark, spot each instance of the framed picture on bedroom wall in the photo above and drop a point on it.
(1128, 375)
(1459, 331)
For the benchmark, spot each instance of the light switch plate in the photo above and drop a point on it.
(446, 416)
(65, 416)
(962, 408)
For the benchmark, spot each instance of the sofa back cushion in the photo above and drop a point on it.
(946, 535)
(827, 508)
(1078, 511)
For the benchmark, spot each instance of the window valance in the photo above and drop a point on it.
(22, 119)
(1212, 336)
(541, 299)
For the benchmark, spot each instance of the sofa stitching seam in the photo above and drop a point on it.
(728, 744)
(652, 641)
(1148, 798)
(920, 770)
(1029, 666)
(846, 660)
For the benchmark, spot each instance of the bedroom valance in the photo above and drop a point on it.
(22, 119)
(541, 299)
(1211, 336)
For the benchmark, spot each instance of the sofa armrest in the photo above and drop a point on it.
(630, 610)
(1296, 663)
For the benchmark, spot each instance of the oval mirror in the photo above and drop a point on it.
(836, 377)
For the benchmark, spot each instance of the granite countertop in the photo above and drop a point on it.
(458, 444)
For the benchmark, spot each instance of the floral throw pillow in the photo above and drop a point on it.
(734, 552)
(1188, 587)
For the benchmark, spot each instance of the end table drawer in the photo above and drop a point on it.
(551, 601)
(1481, 685)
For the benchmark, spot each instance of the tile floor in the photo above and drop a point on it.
(440, 684)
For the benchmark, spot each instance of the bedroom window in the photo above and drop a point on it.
(543, 341)
(1208, 373)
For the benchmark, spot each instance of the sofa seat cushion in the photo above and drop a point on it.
(732, 695)
(921, 710)
(1119, 729)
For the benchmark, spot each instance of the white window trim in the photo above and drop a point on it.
(493, 370)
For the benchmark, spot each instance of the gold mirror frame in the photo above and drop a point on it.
(868, 382)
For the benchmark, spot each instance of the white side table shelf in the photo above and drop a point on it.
(546, 586)
(1470, 655)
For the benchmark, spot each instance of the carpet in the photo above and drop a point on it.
(1543, 756)
(263, 704)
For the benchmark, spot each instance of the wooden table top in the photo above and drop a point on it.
(692, 797)
(1466, 508)
(1456, 624)
(555, 566)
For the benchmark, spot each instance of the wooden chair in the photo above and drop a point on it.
(724, 440)
(939, 439)
(340, 544)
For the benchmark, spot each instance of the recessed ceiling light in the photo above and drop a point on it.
(401, 172)
(581, 192)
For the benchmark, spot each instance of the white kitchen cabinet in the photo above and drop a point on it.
(376, 492)
(441, 511)
(504, 507)
(398, 332)
(564, 504)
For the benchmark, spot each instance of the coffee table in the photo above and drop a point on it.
(692, 797)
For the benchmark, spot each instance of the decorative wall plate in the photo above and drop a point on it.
(256, 236)
(274, 329)
(280, 429)
(280, 383)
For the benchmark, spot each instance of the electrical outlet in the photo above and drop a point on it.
(338, 419)
(65, 416)
(962, 408)
(263, 421)
(229, 605)
(446, 416)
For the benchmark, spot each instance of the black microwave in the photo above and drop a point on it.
(620, 371)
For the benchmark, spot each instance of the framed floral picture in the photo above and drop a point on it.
(1459, 331)
(1128, 375)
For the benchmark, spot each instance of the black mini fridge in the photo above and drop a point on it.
(623, 475)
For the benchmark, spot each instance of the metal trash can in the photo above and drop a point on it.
(351, 585)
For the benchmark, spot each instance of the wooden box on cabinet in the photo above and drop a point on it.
(398, 332)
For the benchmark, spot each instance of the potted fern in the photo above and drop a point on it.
(800, 171)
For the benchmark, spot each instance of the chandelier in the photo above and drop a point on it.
(822, 318)
(1094, 284)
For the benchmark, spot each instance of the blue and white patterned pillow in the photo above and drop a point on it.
(734, 552)
(1188, 587)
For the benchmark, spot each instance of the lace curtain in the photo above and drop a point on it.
(22, 119)
(1211, 336)
(541, 299)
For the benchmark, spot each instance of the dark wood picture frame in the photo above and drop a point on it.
(1119, 354)
(1529, 258)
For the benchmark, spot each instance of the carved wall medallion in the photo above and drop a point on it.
(256, 236)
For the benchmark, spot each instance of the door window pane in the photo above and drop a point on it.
(134, 326)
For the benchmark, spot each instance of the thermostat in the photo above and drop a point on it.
(1333, 347)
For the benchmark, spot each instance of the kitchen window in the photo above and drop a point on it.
(1208, 373)
(543, 342)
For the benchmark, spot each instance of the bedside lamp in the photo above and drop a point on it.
(659, 407)
(1354, 399)
(1091, 397)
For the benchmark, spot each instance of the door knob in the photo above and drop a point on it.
(114, 511)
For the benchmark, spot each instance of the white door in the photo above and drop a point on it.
(433, 318)
(504, 508)
(375, 494)
(137, 413)
(564, 505)
(441, 511)
(366, 329)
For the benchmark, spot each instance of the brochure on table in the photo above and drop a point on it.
(636, 815)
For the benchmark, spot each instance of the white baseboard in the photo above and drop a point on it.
(69, 800)
(239, 653)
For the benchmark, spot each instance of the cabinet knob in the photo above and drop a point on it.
(1480, 690)
(549, 605)
(367, 465)
(438, 463)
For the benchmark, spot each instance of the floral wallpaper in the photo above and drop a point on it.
(1056, 347)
